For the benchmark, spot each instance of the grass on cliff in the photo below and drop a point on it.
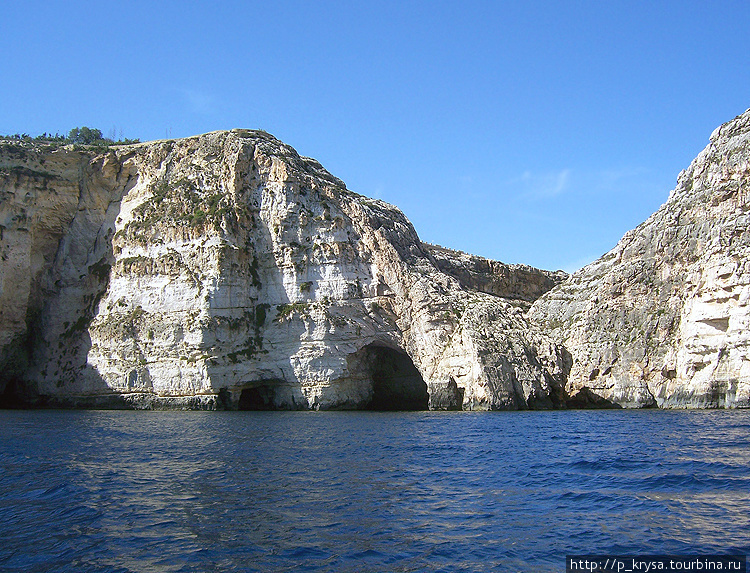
(183, 203)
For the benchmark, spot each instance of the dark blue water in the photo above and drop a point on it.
(367, 492)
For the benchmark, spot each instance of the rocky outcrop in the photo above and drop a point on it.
(663, 318)
(226, 271)
(516, 282)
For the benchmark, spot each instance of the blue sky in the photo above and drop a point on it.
(531, 132)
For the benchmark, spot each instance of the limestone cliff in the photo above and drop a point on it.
(226, 271)
(663, 318)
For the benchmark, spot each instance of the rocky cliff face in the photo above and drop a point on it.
(663, 318)
(226, 271)
(521, 283)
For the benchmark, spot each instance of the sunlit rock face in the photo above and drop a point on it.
(226, 271)
(663, 318)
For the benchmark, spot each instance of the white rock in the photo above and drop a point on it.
(662, 318)
(227, 271)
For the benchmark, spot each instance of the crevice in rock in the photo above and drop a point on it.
(448, 396)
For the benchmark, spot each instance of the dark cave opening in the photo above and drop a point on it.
(257, 398)
(10, 397)
(397, 384)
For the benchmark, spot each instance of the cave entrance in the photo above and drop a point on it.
(10, 397)
(258, 398)
(396, 382)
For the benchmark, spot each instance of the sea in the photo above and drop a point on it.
(138, 491)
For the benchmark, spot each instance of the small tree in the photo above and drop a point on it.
(85, 135)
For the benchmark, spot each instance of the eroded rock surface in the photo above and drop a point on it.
(663, 318)
(516, 282)
(226, 271)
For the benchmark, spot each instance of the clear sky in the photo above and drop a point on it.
(531, 132)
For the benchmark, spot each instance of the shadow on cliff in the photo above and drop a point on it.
(586, 399)
(43, 365)
(47, 366)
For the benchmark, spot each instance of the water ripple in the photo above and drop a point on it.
(365, 491)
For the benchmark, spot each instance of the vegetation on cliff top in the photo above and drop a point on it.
(77, 136)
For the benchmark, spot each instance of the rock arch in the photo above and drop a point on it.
(396, 383)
